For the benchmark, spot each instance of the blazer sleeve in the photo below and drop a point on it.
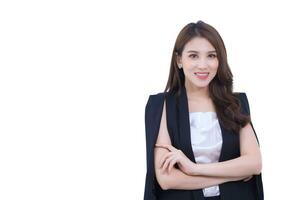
(153, 113)
(246, 110)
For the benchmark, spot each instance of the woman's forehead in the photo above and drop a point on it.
(199, 45)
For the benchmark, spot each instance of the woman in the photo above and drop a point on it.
(200, 140)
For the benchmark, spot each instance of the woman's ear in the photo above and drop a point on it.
(178, 61)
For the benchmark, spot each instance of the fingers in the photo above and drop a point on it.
(169, 159)
(172, 163)
(168, 162)
(163, 159)
(167, 146)
(165, 164)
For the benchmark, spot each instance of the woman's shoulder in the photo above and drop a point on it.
(241, 96)
(158, 96)
(156, 100)
(243, 100)
(239, 93)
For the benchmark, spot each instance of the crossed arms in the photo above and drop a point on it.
(206, 175)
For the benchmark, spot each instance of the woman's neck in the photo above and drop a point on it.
(197, 93)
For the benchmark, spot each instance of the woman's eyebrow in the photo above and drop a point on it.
(193, 51)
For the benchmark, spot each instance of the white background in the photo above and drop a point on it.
(75, 77)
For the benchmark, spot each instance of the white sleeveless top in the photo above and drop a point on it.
(206, 140)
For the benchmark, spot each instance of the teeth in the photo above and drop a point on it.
(201, 74)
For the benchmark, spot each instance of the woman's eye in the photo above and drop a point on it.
(211, 55)
(193, 55)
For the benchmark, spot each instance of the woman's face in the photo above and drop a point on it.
(199, 62)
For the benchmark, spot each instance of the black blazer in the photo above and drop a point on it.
(177, 111)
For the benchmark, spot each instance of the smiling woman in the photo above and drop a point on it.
(200, 140)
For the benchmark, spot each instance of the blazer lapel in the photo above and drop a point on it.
(184, 125)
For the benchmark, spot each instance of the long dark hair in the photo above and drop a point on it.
(228, 106)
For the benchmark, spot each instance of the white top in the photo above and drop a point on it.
(206, 140)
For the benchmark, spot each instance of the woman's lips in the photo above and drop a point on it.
(202, 75)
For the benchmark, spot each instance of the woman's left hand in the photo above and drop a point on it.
(176, 156)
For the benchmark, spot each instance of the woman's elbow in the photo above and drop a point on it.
(258, 166)
(164, 187)
(163, 183)
(163, 180)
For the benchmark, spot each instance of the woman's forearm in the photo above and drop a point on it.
(176, 179)
(241, 166)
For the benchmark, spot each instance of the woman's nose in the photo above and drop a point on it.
(201, 64)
